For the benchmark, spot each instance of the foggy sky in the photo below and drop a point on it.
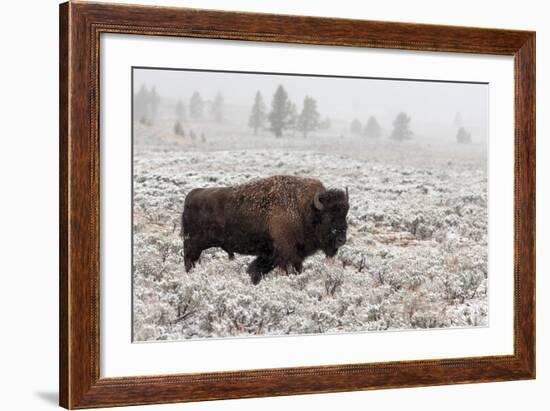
(428, 103)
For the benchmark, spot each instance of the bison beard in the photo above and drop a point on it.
(281, 220)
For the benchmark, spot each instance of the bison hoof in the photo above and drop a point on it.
(189, 266)
(255, 275)
(256, 278)
(258, 268)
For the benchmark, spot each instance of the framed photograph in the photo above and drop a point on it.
(258, 205)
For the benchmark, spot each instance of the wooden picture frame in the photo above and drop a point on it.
(81, 24)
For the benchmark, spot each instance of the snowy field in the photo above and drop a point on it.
(416, 255)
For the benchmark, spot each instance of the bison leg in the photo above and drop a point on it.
(258, 267)
(230, 254)
(294, 267)
(298, 266)
(191, 255)
(286, 239)
(288, 261)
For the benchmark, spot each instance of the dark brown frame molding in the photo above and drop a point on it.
(81, 24)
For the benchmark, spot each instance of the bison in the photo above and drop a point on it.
(280, 219)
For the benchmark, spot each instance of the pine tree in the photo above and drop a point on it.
(154, 100)
(180, 111)
(292, 118)
(196, 106)
(257, 114)
(280, 116)
(308, 120)
(401, 129)
(355, 126)
(178, 129)
(372, 128)
(463, 137)
(141, 105)
(216, 110)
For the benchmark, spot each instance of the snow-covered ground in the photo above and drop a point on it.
(416, 255)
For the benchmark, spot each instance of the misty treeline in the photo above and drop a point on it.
(146, 105)
(372, 129)
(401, 130)
(199, 109)
(284, 115)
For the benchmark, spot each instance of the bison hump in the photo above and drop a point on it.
(281, 191)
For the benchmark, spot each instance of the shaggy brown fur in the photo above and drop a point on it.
(281, 220)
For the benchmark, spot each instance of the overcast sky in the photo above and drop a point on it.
(339, 98)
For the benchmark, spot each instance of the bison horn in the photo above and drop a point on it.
(347, 195)
(316, 202)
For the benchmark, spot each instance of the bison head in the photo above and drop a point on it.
(331, 208)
